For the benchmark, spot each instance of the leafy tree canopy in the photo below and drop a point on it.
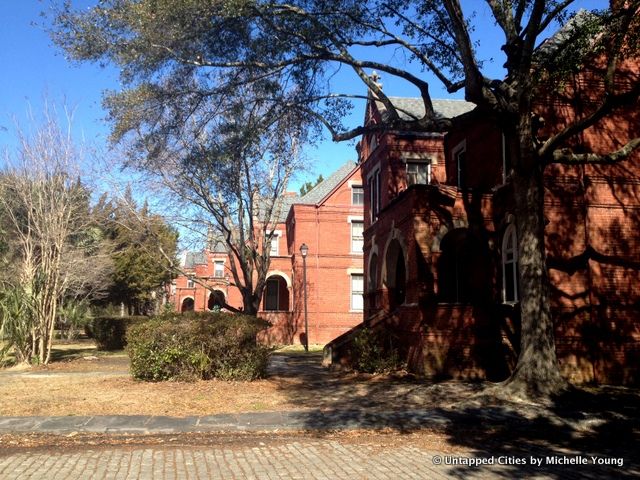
(144, 251)
(180, 59)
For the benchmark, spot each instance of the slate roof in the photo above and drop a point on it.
(317, 193)
(565, 34)
(411, 108)
(192, 259)
(285, 206)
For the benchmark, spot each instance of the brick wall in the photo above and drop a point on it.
(326, 228)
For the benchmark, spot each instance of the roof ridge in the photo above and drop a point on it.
(333, 179)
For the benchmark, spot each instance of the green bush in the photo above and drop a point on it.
(197, 346)
(372, 356)
(110, 332)
(73, 317)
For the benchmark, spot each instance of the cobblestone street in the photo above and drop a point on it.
(291, 458)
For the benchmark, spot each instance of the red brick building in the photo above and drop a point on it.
(441, 246)
(329, 220)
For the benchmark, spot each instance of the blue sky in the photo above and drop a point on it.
(32, 69)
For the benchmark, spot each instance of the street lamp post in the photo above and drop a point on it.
(303, 251)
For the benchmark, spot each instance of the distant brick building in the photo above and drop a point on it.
(329, 220)
(441, 246)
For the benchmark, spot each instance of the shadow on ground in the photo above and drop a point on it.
(596, 425)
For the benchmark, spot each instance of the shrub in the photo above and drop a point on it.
(372, 356)
(110, 332)
(73, 317)
(197, 346)
(17, 321)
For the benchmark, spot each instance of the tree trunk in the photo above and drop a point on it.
(536, 374)
(251, 303)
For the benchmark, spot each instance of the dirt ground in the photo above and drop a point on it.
(83, 381)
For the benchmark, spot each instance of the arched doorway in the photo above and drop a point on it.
(396, 274)
(216, 300)
(188, 305)
(276, 294)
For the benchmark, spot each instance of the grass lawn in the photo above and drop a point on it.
(298, 349)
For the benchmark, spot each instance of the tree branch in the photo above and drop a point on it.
(566, 157)
(610, 103)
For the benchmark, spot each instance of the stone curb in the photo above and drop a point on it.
(232, 423)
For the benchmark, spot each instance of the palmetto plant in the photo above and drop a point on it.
(72, 316)
(17, 323)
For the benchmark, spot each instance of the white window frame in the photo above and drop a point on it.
(510, 263)
(275, 244)
(353, 191)
(418, 163)
(373, 273)
(191, 283)
(374, 194)
(460, 148)
(360, 239)
(358, 305)
(373, 143)
(215, 270)
(504, 158)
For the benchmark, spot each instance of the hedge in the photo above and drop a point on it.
(197, 346)
(110, 332)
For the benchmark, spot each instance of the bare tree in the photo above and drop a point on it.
(46, 212)
(224, 178)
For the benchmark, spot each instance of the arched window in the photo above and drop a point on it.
(510, 265)
(395, 274)
(373, 273)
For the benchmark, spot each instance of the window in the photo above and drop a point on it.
(418, 173)
(373, 143)
(374, 195)
(271, 295)
(510, 265)
(373, 273)
(357, 236)
(191, 283)
(218, 268)
(173, 288)
(357, 289)
(276, 294)
(357, 195)
(506, 159)
(459, 157)
(275, 250)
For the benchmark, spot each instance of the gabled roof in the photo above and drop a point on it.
(566, 34)
(412, 108)
(284, 206)
(315, 195)
(320, 191)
